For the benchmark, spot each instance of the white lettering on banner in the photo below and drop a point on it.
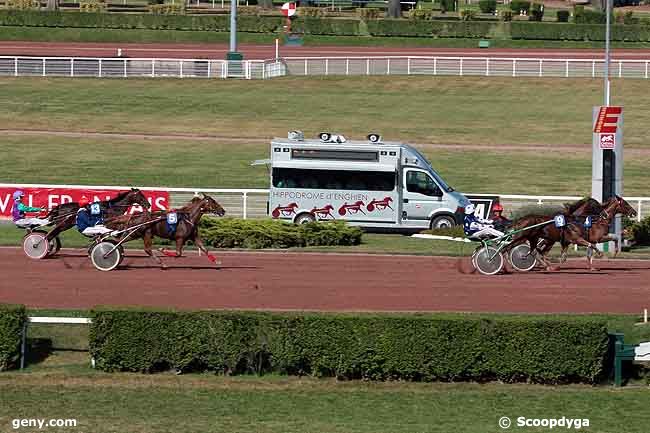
(161, 203)
(4, 205)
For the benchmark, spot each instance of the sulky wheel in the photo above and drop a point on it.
(105, 256)
(488, 261)
(522, 259)
(35, 245)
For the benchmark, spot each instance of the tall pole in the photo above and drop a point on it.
(608, 12)
(233, 26)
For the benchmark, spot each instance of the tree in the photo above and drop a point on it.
(394, 9)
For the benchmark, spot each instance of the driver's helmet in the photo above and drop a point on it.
(18, 194)
(469, 209)
(497, 208)
(83, 201)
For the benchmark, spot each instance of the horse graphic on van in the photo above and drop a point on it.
(286, 211)
(379, 204)
(351, 208)
(323, 212)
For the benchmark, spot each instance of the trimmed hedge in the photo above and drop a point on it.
(240, 233)
(578, 32)
(418, 347)
(12, 319)
(442, 29)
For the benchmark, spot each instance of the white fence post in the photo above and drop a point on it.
(388, 66)
(367, 66)
(43, 66)
(209, 68)
(514, 67)
(72, 67)
(16, 67)
(100, 68)
(487, 67)
(408, 66)
(435, 66)
(347, 66)
(305, 66)
(566, 69)
(327, 66)
(620, 69)
(646, 69)
(124, 61)
(540, 68)
(181, 68)
(593, 69)
(245, 204)
(153, 68)
(460, 67)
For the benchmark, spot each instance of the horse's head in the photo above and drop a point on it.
(624, 207)
(210, 205)
(135, 196)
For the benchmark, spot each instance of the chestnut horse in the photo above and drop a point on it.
(186, 227)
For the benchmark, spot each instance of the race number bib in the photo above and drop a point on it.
(95, 209)
(560, 221)
(588, 222)
(172, 218)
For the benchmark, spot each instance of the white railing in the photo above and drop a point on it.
(252, 203)
(122, 67)
(481, 66)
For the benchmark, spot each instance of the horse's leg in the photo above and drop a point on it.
(199, 243)
(148, 248)
(63, 225)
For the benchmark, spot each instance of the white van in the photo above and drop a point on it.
(367, 183)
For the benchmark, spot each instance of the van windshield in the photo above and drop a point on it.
(433, 173)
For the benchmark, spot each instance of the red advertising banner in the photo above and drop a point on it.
(50, 197)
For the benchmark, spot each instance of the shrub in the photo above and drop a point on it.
(468, 14)
(506, 15)
(640, 232)
(307, 12)
(369, 13)
(240, 233)
(167, 9)
(487, 6)
(12, 320)
(423, 347)
(447, 6)
(627, 18)
(420, 14)
(23, 4)
(587, 16)
(248, 10)
(92, 6)
(563, 16)
(537, 12)
(516, 6)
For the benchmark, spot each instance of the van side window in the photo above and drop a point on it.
(333, 179)
(421, 183)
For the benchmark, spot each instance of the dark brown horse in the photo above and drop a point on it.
(64, 216)
(186, 227)
(599, 230)
(541, 239)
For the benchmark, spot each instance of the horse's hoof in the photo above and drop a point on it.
(594, 269)
(553, 268)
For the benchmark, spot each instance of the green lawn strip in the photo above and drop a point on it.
(51, 34)
(227, 405)
(220, 164)
(442, 110)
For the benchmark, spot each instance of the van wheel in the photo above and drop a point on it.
(442, 222)
(304, 218)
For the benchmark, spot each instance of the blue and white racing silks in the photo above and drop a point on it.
(473, 224)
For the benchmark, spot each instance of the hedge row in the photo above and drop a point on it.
(240, 233)
(378, 347)
(12, 319)
(575, 32)
(325, 26)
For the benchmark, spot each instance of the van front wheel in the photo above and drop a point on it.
(442, 222)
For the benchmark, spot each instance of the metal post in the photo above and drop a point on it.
(514, 67)
(435, 66)
(607, 23)
(620, 69)
(245, 210)
(23, 341)
(233, 26)
(16, 67)
(408, 66)
(72, 67)
(100, 68)
(153, 68)
(566, 69)
(327, 66)
(347, 66)
(461, 67)
(593, 69)
(277, 49)
(540, 67)
(368, 67)
(388, 66)
(181, 68)
(209, 68)
(43, 66)
(305, 66)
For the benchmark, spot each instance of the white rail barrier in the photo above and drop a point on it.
(460, 66)
(122, 67)
(48, 320)
(252, 202)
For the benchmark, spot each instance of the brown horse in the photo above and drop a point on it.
(541, 239)
(64, 216)
(599, 230)
(186, 227)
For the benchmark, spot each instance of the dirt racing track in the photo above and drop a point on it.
(328, 282)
